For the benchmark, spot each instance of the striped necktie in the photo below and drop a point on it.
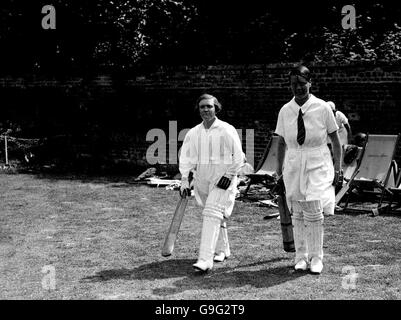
(301, 128)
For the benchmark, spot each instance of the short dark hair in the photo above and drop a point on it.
(301, 70)
(216, 102)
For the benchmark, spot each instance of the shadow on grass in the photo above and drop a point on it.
(220, 277)
(228, 278)
(151, 271)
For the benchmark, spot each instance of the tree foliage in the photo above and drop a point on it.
(135, 29)
(377, 37)
(111, 34)
(126, 34)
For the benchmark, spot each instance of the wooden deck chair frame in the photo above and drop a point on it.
(392, 179)
(346, 188)
(261, 175)
(363, 185)
(395, 196)
(350, 168)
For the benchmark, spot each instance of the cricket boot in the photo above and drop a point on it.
(223, 246)
(301, 248)
(313, 215)
(210, 233)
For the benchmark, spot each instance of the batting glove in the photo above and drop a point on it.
(185, 189)
(224, 182)
(338, 179)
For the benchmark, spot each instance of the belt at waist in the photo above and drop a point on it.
(303, 148)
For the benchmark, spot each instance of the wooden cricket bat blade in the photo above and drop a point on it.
(286, 224)
(172, 233)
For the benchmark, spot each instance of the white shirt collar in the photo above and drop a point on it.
(295, 107)
(215, 123)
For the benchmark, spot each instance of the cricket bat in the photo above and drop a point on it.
(172, 233)
(345, 189)
(285, 219)
(285, 216)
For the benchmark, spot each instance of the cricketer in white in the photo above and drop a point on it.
(213, 151)
(307, 168)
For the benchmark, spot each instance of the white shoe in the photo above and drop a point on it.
(220, 257)
(316, 265)
(301, 265)
(202, 266)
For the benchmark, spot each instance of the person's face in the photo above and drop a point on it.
(207, 110)
(300, 87)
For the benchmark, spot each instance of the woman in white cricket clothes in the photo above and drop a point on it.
(213, 151)
(306, 165)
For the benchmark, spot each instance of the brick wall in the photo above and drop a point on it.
(130, 106)
(369, 94)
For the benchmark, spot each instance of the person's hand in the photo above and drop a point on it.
(338, 178)
(277, 175)
(224, 182)
(279, 183)
(185, 189)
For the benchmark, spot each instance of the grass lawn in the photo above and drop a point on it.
(102, 239)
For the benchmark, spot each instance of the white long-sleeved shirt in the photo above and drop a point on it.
(211, 152)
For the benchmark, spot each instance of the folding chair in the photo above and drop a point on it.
(373, 177)
(395, 190)
(267, 166)
(392, 179)
(350, 168)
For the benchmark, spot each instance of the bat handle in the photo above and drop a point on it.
(185, 193)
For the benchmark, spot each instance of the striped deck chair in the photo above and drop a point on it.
(374, 171)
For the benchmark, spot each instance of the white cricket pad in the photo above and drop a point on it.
(301, 248)
(314, 238)
(209, 235)
(312, 206)
(222, 241)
